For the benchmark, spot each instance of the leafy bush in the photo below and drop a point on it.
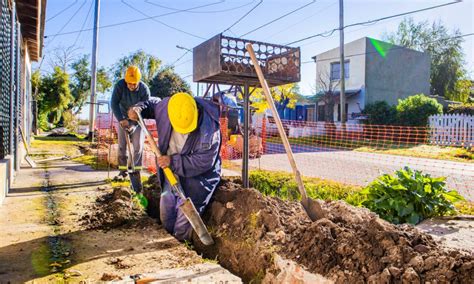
(415, 110)
(461, 109)
(409, 196)
(380, 113)
(283, 185)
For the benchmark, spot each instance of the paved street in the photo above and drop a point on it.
(361, 168)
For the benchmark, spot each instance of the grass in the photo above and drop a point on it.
(56, 146)
(465, 207)
(385, 147)
(91, 161)
(282, 185)
(427, 151)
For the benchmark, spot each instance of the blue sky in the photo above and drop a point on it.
(161, 41)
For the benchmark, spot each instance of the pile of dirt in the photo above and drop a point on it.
(350, 245)
(116, 209)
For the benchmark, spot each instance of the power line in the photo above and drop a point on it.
(202, 12)
(349, 32)
(84, 23)
(182, 63)
(67, 23)
(62, 11)
(162, 23)
(179, 58)
(126, 22)
(330, 32)
(245, 15)
(312, 15)
(391, 49)
(279, 18)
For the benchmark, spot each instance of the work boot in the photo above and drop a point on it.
(121, 176)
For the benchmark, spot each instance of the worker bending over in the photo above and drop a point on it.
(189, 138)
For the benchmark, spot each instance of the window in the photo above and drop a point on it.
(336, 70)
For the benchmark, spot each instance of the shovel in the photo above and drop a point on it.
(187, 207)
(311, 206)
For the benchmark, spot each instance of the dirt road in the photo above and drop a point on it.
(43, 241)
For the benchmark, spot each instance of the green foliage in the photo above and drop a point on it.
(166, 83)
(461, 92)
(462, 109)
(81, 82)
(444, 47)
(283, 185)
(54, 96)
(415, 110)
(380, 113)
(409, 196)
(149, 65)
(69, 120)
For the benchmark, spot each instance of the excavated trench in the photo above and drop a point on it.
(253, 232)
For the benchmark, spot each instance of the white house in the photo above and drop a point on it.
(374, 71)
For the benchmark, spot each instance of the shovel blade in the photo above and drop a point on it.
(313, 209)
(136, 182)
(196, 222)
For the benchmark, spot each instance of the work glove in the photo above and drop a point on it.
(124, 124)
(132, 112)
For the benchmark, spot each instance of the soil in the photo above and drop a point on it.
(116, 209)
(350, 245)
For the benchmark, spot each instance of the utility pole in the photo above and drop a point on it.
(343, 73)
(95, 40)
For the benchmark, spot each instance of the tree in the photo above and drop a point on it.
(81, 82)
(285, 96)
(149, 65)
(167, 83)
(63, 56)
(54, 96)
(326, 93)
(462, 91)
(444, 47)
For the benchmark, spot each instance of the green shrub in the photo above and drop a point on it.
(415, 110)
(380, 113)
(461, 109)
(409, 196)
(283, 185)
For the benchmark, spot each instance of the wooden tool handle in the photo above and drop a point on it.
(281, 130)
(154, 148)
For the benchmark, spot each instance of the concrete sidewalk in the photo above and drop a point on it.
(42, 239)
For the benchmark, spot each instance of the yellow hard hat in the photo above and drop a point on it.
(183, 113)
(133, 75)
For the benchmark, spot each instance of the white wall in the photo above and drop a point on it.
(356, 64)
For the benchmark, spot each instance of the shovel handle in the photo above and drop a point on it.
(167, 171)
(276, 116)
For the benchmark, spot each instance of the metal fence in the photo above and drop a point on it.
(11, 68)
